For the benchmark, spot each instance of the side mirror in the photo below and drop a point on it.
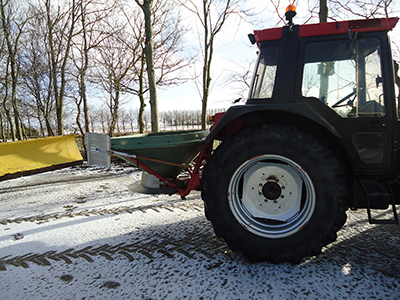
(252, 38)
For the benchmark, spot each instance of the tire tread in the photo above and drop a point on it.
(216, 168)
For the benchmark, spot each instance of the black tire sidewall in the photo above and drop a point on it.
(298, 146)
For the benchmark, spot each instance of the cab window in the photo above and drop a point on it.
(346, 76)
(265, 72)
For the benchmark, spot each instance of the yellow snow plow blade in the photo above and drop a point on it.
(37, 155)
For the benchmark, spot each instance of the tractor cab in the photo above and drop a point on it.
(343, 71)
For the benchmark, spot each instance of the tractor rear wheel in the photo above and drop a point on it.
(275, 193)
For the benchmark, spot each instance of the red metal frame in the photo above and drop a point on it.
(195, 174)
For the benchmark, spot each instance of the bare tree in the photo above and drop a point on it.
(90, 36)
(115, 63)
(146, 6)
(137, 48)
(131, 119)
(13, 23)
(35, 72)
(103, 117)
(82, 69)
(61, 29)
(168, 44)
(167, 40)
(239, 77)
(366, 9)
(212, 16)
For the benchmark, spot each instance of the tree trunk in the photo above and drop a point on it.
(114, 110)
(141, 114)
(59, 91)
(141, 98)
(78, 122)
(209, 34)
(323, 11)
(2, 132)
(85, 106)
(206, 69)
(6, 110)
(150, 65)
(46, 116)
(12, 63)
(40, 121)
(53, 65)
(14, 101)
(83, 72)
(60, 106)
(46, 109)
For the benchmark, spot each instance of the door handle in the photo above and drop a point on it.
(375, 124)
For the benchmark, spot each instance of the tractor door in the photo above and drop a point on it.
(348, 76)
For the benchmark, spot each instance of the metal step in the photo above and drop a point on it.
(389, 194)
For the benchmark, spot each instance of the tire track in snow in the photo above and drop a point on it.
(184, 205)
(63, 180)
(151, 246)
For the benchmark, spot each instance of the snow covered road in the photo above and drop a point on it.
(80, 233)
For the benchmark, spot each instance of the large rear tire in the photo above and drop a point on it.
(275, 193)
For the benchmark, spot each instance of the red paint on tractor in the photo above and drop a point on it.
(330, 28)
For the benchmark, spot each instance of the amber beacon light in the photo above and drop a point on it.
(290, 13)
(291, 8)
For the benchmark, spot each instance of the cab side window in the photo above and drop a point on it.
(265, 73)
(346, 76)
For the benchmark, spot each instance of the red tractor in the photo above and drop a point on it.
(318, 135)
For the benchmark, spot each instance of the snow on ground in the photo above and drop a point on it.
(80, 233)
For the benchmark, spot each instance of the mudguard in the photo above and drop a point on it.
(299, 109)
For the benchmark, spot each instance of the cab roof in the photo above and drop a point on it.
(330, 28)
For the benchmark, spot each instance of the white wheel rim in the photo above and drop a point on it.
(271, 196)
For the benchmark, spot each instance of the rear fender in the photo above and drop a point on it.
(238, 117)
(299, 115)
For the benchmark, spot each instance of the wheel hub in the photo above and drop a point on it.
(272, 191)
